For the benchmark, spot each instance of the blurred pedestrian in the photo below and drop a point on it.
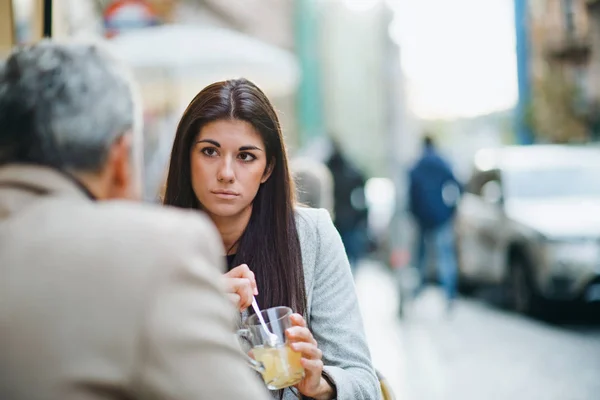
(100, 299)
(433, 195)
(314, 183)
(351, 212)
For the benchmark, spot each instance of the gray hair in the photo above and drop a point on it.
(64, 104)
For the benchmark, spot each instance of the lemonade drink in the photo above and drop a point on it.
(282, 366)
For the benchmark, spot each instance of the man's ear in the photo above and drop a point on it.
(120, 160)
(268, 171)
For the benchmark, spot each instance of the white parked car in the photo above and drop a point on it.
(530, 220)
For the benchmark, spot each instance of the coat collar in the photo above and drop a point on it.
(41, 180)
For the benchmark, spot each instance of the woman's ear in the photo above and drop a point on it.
(268, 171)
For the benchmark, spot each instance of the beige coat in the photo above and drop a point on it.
(110, 300)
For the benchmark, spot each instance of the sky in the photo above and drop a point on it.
(458, 55)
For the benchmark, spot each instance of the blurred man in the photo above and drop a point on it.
(433, 195)
(350, 207)
(99, 299)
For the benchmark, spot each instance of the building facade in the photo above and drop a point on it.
(563, 71)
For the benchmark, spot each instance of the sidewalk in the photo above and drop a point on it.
(379, 301)
(478, 351)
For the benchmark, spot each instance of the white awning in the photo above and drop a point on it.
(193, 57)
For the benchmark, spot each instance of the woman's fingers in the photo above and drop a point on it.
(238, 284)
(299, 331)
(242, 288)
(298, 320)
(243, 272)
(301, 340)
(308, 350)
(300, 334)
(234, 298)
(315, 366)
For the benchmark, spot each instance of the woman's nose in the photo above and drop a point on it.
(226, 173)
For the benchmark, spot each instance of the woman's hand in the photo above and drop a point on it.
(302, 341)
(240, 286)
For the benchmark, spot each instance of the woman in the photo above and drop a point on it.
(229, 160)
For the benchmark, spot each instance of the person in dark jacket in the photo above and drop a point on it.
(351, 211)
(433, 194)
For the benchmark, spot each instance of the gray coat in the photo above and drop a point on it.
(333, 312)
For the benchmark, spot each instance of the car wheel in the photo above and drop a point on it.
(523, 297)
(465, 286)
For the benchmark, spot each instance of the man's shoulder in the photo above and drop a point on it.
(124, 246)
(151, 216)
(140, 227)
(157, 223)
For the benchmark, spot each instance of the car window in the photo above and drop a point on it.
(575, 181)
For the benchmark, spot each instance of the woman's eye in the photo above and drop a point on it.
(246, 157)
(209, 151)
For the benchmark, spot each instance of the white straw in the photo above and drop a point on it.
(272, 337)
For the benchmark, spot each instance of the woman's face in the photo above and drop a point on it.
(228, 164)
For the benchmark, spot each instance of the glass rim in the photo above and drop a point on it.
(287, 314)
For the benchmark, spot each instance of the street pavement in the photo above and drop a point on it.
(477, 351)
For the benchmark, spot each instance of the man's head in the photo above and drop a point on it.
(428, 142)
(72, 107)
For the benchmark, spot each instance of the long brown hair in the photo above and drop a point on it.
(269, 244)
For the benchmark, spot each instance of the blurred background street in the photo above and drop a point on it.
(479, 351)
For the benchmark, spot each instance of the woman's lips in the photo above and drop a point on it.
(225, 194)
